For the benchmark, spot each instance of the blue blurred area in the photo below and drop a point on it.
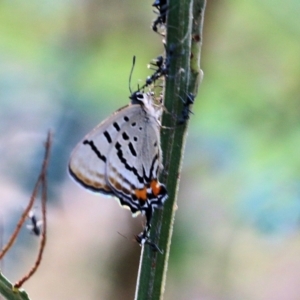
(65, 66)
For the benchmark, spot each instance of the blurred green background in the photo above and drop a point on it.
(65, 65)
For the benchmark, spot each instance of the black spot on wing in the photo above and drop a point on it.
(107, 135)
(146, 178)
(131, 148)
(155, 158)
(124, 162)
(125, 136)
(95, 149)
(116, 125)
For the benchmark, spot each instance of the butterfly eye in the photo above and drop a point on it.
(137, 98)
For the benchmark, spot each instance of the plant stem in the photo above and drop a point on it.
(183, 45)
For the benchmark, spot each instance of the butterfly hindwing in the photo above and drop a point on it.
(135, 159)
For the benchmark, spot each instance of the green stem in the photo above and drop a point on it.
(9, 292)
(183, 45)
(196, 74)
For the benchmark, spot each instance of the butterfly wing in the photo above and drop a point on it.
(135, 160)
(122, 157)
(88, 160)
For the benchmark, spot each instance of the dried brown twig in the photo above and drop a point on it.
(43, 181)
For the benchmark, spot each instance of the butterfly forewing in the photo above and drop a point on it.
(88, 160)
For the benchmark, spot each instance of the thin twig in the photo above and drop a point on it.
(22, 218)
(43, 180)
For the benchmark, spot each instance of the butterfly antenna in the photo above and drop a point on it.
(133, 64)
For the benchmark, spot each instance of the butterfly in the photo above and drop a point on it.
(122, 157)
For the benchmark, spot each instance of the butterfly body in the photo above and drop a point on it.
(122, 157)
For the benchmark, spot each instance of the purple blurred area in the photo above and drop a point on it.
(64, 66)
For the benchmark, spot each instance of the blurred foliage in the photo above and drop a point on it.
(65, 65)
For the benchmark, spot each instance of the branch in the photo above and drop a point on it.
(13, 292)
(183, 45)
(43, 180)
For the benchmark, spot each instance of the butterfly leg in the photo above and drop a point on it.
(144, 236)
(143, 239)
(149, 213)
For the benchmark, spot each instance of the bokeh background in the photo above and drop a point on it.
(64, 66)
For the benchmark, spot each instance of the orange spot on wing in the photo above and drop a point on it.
(141, 194)
(155, 187)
